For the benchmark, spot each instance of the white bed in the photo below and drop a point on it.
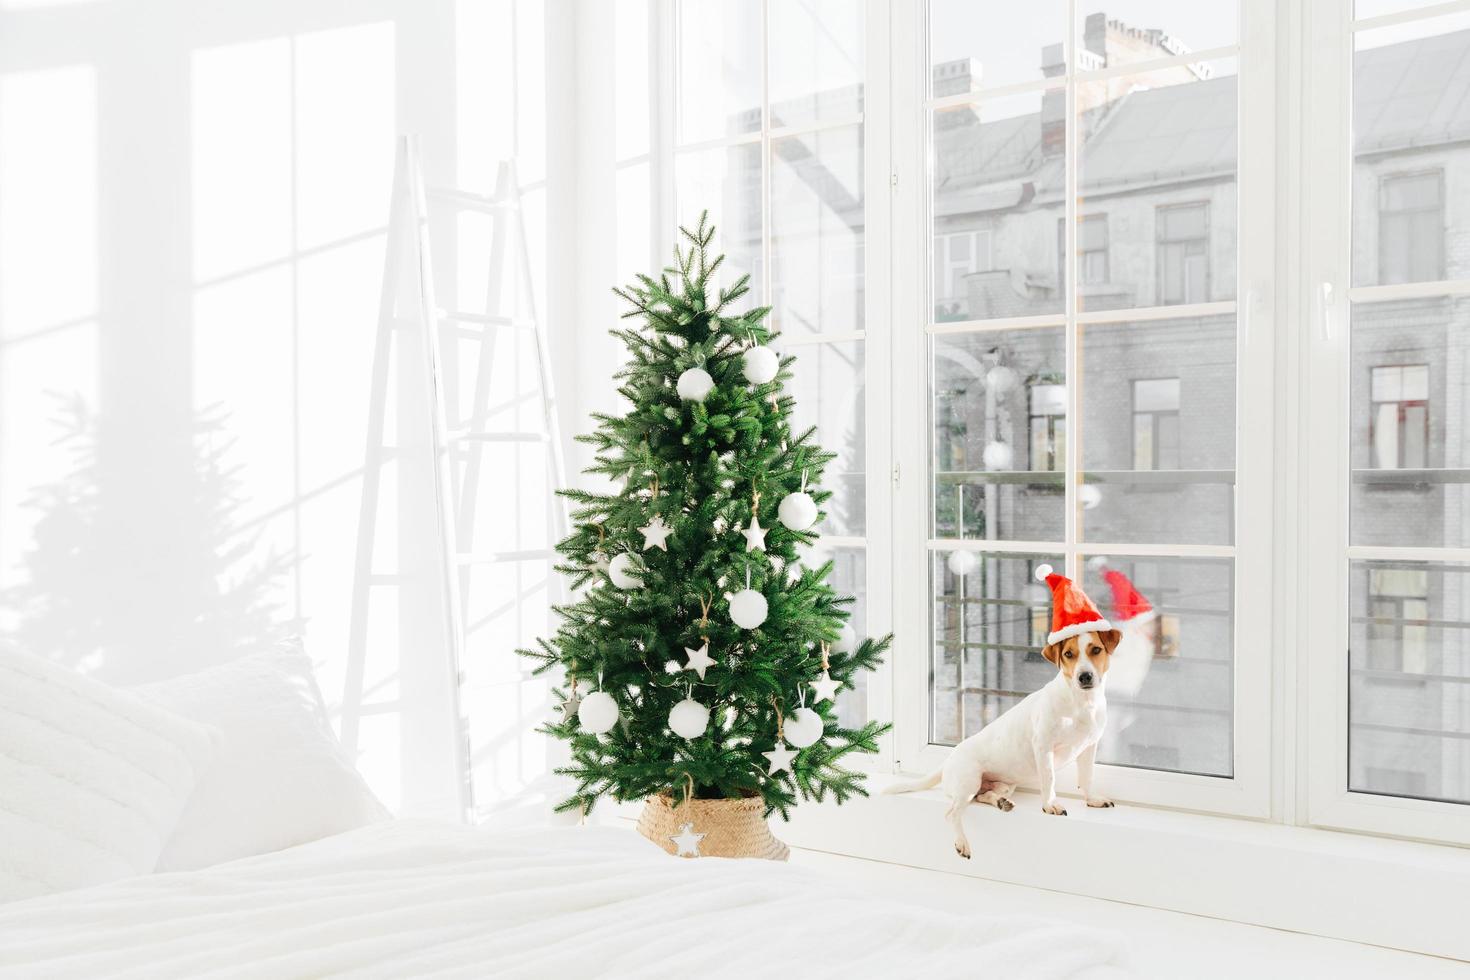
(421, 899)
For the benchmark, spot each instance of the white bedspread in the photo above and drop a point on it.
(433, 900)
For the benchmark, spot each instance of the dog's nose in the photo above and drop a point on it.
(1085, 678)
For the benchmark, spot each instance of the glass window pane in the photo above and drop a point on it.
(999, 434)
(1189, 499)
(1115, 32)
(1404, 106)
(1158, 159)
(1170, 682)
(816, 60)
(998, 169)
(1156, 395)
(829, 390)
(726, 181)
(987, 610)
(1410, 456)
(970, 46)
(719, 69)
(817, 231)
(1409, 669)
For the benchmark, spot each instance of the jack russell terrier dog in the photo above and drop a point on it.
(1060, 723)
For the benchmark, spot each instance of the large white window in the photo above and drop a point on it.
(1389, 433)
(1109, 338)
(1087, 397)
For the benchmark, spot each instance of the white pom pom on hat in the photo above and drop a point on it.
(1097, 562)
(1042, 571)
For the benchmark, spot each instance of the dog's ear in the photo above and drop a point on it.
(1053, 653)
(1109, 639)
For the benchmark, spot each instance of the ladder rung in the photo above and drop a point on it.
(500, 437)
(473, 202)
(502, 557)
(488, 319)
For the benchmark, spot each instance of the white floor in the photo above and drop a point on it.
(1165, 944)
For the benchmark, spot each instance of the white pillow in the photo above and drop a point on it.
(281, 777)
(92, 778)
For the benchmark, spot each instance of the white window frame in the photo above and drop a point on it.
(1324, 304)
(1248, 791)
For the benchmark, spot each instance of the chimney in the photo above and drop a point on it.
(1053, 104)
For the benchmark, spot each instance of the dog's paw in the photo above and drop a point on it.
(1006, 806)
(1100, 801)
(963, 850)
(1055, 809)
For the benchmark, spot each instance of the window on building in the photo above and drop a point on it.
(1398, 609)
(1400, 416)
(1411, 227)
(957, 255)
(1156, 424)
(1184, 253)
(1048, 420)
(1092, 250)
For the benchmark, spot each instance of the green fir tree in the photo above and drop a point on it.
(702, 468)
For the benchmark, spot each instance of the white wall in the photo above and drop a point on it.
(193, 199)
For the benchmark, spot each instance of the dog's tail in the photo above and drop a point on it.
(928, 782)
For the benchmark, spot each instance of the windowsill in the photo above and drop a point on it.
(1396, 893)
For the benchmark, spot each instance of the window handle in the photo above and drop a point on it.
(1326, 319)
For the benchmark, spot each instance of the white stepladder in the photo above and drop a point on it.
(407, 305)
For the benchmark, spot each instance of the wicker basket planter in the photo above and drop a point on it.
(731, 828)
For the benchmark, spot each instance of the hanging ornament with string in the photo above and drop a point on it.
(759, 363)
(804, 727)
(689, 718)
(780, 756)
(624, 572)
(598, 712)
(700, 660)
(599, 557)
(798, 511)
(755, 535)
(824, 688)
(748, 608)
(686, 841)
(572, 702)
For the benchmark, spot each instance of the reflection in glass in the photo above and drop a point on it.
(1170, 133)
(828, 386)
(1409, 680)
(719, 70)
(1000, 432)
(1410, 446)
(998, 188)
(1117, 32)
(816, 61)
(971, 47)
(1158, 436)
(726, 181)
(1174, 711)
(1404, 110)
(817, 231)
(990, 619)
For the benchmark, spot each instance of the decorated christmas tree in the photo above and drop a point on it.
(702, 659)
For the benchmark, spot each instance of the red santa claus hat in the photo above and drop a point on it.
(1129, 605)
(1071, 611)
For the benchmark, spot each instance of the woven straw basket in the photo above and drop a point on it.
(731, 828)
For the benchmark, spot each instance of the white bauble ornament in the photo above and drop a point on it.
(962, 563)
(998, 455)
(803, 728)
(689, 718)
(1089, 495)
(695, 385)
(846, 639)
(623, 571)
(598, 712)
(760, 365)
(748, 608)
(798, 511)
(1000, 379)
